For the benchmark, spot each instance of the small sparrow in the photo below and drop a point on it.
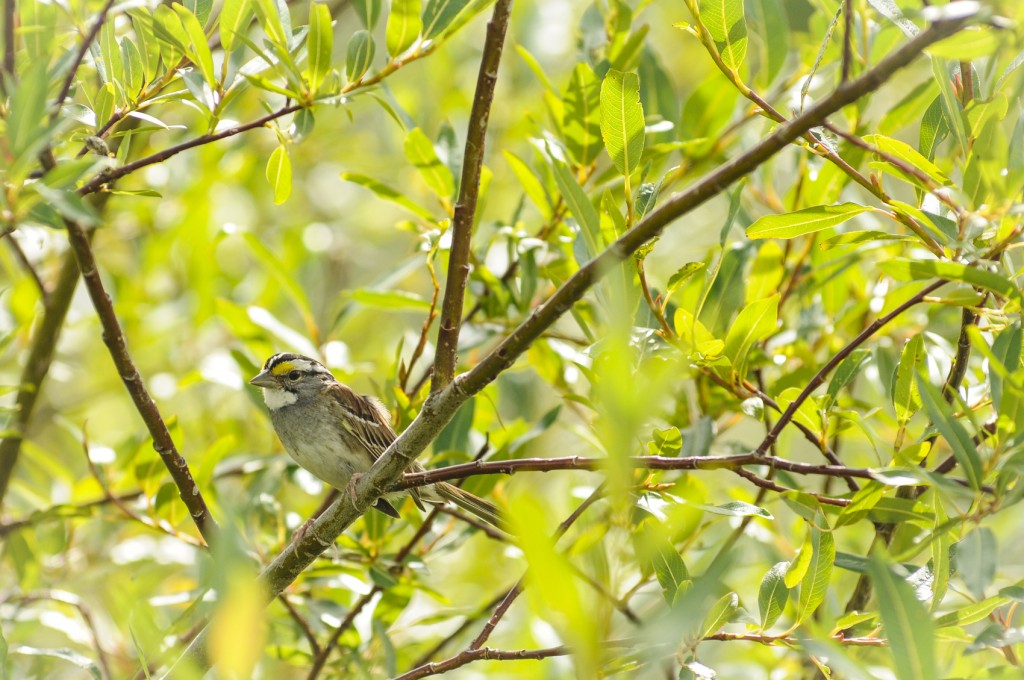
(335, 433)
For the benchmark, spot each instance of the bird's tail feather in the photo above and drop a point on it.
(470, 503)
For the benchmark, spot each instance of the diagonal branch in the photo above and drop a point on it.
(445, 358)
(37, 365)
(441, 406)
(113, 337)
(83, 49)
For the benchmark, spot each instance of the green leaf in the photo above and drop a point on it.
(668, 565)
(755, 322)
(199, 48)
(940, 550)
(736, 509)
(396, 300)
(847, 371)
(421, 153)
(113, 66)
(622, 120)
(581, 116)
(968, 44)
(71, 656)
(806, 221)
(388, 194)
(908, 627)
(235, 17)
(972, 613)
(906, 153)
(359, 58)
(531, 185)
(906, 398)
(768, 21)
(863, 502)
(903, 269)
(27, 113)
(403, 26)
(149, 46)
(976, 560)
(173, 38)
(273, 15)
(369, 12)
(682, 275)
(934, 128)
(579, 205)
(814, 584)
(279, 174)
(37, 27)
(721, 613)
(320, 44)
(964, 449)
(797, 567)
(728, 28)
(134, 70)
(772, 595)
(69, 204)
(438, 14)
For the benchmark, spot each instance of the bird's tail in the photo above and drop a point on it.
(470, 503)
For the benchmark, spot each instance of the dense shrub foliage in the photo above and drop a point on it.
(739, 277)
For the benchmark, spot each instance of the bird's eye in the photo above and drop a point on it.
(294, 375)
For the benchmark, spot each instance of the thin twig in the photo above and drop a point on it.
(446, 354)
(83, 49)
(30, 269)
(468, 656)
(824, 371)
(113, 337)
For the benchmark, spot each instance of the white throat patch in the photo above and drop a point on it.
(276, 398)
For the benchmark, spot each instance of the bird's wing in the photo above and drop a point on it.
(367, 419)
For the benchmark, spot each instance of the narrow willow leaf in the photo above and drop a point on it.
(905, 396)
(369, 12)
(755, 322)
(26, 113)
(320, 43)
(772, 595)
(906, 269)
(951, 108)
(113, 66)
(814, 584)
(436, 174)
(104, 102)
(682, 275)
(852, 238)
(167, 26)
(768, 19)
(199, 49)
(438, 14)
(64, 654)
(964, 449)
(863, 502)
(145, 35)
(906, 153)
(69, 204)
(976, 560)
(279, 174)
(728, 28)
(37, 28)
(388, 194)
(806, 221)
(396, 300)
(973, 42)
(403, 26)
(797, 567)
(1006, 352)
(847, 371)
(972, 613)
(940, 550)
(361, 49)
(581, 117)
(907, 625)
(531, 185)
(579, 205)
(934, 128)
(235, 17)
(622, 120)
(721, 613)
(669, 567)
(134, 71)
(736, 509)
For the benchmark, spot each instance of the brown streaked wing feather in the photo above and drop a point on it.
(367, 418)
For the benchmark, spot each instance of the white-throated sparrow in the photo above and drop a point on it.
(335, 433)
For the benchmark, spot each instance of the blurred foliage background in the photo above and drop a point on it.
(326, 232)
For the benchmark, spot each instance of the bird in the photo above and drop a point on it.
(334, 432)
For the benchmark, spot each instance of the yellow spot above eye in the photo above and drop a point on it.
(282, 368)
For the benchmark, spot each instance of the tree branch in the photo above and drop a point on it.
(37, 365)
(441, 406)
(446, 355)
(113, 337)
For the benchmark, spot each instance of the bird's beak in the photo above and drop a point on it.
(264, 379)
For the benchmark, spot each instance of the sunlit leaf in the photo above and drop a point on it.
(622, 120)
(801, 222)
(772, 595)
(728, 28)
(907, 624)
(279, 174)
(403, 26)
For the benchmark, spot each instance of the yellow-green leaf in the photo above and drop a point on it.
(361, 49)
(403, 26)
(907, 625)
(622, 120)
(436, 174)
(279, 174)
(755, 322)
(728, 28)
(806, 221)
(320, 44)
